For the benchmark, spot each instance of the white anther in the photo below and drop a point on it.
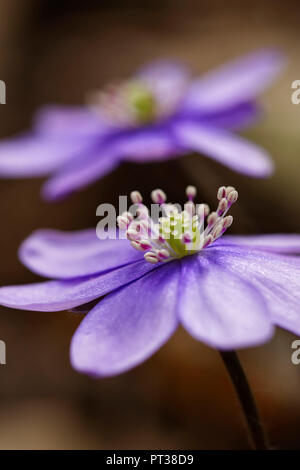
(203, 210)
(123, 222)
(145, 245)
(222, 206)
(163, 254)
(212, 218)
(229, 189)
(227, 221)
(158, 196)
(221, 192)
(136, 197)
(136, 245)
(151, 257)
(232, 196)
(191, 192)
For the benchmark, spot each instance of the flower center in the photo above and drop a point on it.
(170, 233)
(129, 103)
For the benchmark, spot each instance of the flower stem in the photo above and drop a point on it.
(246, 399)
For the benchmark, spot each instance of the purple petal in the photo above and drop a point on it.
(276, 243)
(239, 81)
(147, 145)
(71, 121)
(78, 173)
(53, 296)
(128, 326)
(32, 155)
(236, 118)
(276, 277)
(219, 307)
(167, 74)
(62, 255)
(228, 149)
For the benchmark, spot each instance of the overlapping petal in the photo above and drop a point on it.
(274, 242)
(230, 150)
(219, 307)
(50, 296)
(63, 255)
(78, 173)
(276, 277)
(129, 325)
(167, 75)
(33, 155)
(69, 121)
(154, 143)
(239, 81)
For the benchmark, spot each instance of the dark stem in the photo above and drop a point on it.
(246, 399)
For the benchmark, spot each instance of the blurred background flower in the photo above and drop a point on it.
(54, 52)
(157, 114)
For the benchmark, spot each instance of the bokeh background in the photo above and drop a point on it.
(54, 52)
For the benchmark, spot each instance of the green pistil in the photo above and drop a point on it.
(172, 228)
(142, 102)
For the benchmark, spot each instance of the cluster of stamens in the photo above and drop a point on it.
(176, 233)
(128, 103)
(136, 102)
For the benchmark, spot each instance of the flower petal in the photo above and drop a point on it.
(53, 296)
(61, 255)
(128, 326)
(32, 155)
(228, 149)
(276, 277)
(166, 75)
(79, 172)
(148, 145)
(69, 121)
(219, 307)
(274, 242)
(239, 81)
(236, 118)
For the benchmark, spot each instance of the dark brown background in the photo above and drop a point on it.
(54, 52)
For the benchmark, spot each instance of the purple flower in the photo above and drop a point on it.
(160, 113)
(228, 292)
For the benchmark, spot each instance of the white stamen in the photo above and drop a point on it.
(227, 221)
(207, 241)
(222, 206)
(158, 196)
(151, 257)
(229, 189)
(163, 254)
(211, 219)
(123, 222)
(221, 192)
(232, 196)
(136, 197)
(191, 192)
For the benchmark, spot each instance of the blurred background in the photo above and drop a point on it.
(54, 52)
